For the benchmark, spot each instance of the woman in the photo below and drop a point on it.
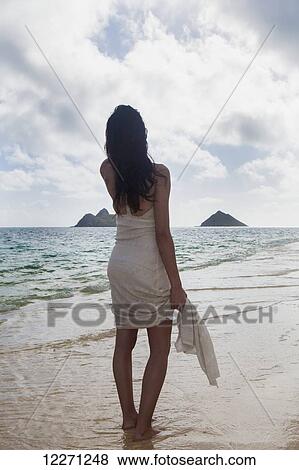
(142, 270)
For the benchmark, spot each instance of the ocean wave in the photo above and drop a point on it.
(78, 263)
(64, 343)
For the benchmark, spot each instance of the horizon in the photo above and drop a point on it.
(195, 53)
(171, 225)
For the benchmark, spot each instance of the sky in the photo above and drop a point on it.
(176, 62)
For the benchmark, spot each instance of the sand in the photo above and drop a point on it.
(57, 389)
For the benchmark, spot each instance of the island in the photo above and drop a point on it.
(220, 219)
(101, 219)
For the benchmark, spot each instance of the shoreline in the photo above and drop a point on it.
(256, 404)
(82, 410)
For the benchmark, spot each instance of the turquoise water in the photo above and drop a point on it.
(221, 267)
(55, 263)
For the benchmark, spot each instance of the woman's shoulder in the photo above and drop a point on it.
(162, 169)
(162, 177)
(106, 168)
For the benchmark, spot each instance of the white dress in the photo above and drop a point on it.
(140, 288)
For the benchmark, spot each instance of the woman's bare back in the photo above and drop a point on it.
(108, 174)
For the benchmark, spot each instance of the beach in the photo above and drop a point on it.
(57, 388)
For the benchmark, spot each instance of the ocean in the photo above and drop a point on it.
(47, 263)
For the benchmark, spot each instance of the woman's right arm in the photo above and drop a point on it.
(164, 238)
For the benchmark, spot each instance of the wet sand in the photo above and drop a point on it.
(57, 389)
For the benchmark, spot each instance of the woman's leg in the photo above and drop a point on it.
(154, 375)
(122, 369)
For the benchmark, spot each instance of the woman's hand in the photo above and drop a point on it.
(177, 297)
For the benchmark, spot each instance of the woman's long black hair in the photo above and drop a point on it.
(126, 145)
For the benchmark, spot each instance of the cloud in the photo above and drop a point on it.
(15, 180)
(210, 200)
(260, 131)
(264, 14)
(16, 156)
(278, 175)
(208, 166)
(174, 61)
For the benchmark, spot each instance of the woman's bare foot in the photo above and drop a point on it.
(129, 422)
(147, 434)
